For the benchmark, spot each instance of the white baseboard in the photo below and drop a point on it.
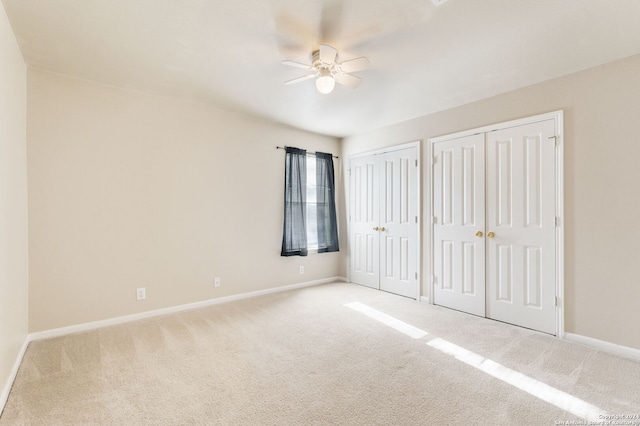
(47, 334)
(623, 351)
(425, 299)
(12, 376)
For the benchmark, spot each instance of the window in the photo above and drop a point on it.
(312, 205)
(309, 206)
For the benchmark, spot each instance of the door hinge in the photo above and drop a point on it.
(434, 279)
(434, 220)
(556, 300)
(416, 275)
(416, 219)
(556, 221)
(556, 140)
(416, 162)
(434, 159)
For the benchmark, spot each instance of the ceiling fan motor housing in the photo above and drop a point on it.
(320, 66)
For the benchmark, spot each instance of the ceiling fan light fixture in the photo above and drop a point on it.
(327, 71)
(325, 83)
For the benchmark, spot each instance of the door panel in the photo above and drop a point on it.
(363, 240)
(399, 227)
(458, 205)
(521, 213)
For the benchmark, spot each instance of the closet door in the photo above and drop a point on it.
(399, 222)
(383, 221)
(502, 266)
(459, 221)
(363, 222)
(521, 213)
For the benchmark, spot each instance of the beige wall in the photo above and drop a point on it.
(130, 190)
(133, 190)
(14, 279)
(602, 173)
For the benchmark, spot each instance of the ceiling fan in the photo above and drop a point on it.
(329, 71)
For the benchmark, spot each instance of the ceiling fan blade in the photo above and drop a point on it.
(353, 65)
(331, 20)
(347, 80)
(327, 54)
(299, 79)
(298, 65)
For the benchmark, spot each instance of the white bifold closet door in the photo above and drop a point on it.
(521, 214)
(364, 213)
(383, 221)
(459, 209)
(494, 225)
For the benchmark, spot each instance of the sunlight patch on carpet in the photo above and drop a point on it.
(532, 386)
(540, 390)
(388, 320)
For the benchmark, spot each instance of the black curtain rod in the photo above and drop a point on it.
(310, 153)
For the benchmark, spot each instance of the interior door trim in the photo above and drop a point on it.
(558, 118)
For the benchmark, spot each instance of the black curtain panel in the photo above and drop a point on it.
(326, 204)
(294, 235)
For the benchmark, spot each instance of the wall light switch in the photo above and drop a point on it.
(216, 282)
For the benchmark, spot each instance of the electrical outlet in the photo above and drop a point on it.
(301, 269)
(141, 293)
(216, 282)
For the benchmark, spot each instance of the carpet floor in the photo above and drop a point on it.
(334, 354)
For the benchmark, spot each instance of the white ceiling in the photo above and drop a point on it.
(228, 52)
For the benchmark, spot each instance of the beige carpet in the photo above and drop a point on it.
(303, 357)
